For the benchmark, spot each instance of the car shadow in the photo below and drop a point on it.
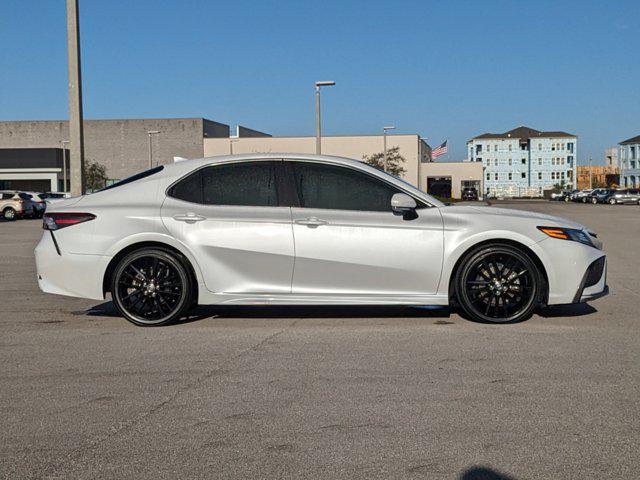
(484, 473)
(571, 310)
(108, 309)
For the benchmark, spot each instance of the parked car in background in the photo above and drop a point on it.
(581, 196)
(39, 205)
(15, 204)
(229, 230)
(52, 197)
(567, 195)
(600, 195)
(470, 194)
(628, 195)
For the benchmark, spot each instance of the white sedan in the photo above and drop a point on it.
(307, 230)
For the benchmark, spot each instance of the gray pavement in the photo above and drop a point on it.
(321, 392)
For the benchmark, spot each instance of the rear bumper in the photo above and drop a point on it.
(70, 274)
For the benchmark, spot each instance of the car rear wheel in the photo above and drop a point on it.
(594, 200)
(499, 284)
(612, 201)
(151, 287)
(9, 214)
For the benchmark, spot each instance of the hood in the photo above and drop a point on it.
(542, 218)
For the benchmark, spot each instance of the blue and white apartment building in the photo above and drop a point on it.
(629, 158)
(524, 161)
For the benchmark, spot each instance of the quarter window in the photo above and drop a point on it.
(339, 188)
(241, 184)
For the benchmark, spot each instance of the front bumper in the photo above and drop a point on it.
(594, 282)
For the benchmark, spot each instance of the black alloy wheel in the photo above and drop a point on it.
(499, 284)
(151, 287)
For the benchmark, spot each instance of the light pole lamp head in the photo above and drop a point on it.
(325, 83)
(153, 132)
(390, 127)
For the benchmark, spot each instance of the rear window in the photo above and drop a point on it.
(133, 178)
(24, 196)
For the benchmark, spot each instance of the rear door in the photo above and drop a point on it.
(233, 218)
(349, 242)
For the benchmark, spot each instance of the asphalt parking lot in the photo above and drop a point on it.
(322, 392)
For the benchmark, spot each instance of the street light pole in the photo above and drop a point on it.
(384, 135)
(64, 165)
(150, 133)
(76, 133)
(318, 122)
(590, 176)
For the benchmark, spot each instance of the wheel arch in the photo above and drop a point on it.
(106, 280)
(498, 241)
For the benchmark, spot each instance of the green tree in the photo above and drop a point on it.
(394, 161)
(95, 175)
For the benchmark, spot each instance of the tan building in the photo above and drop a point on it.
(597, 176)
(413, 148)
(448, 179)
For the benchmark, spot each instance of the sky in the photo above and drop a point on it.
(446, 70)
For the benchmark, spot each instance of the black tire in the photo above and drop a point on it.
(499, 284)
(9, 214)
(152, 287)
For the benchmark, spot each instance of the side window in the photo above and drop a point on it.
(340, 188)
(241, 184)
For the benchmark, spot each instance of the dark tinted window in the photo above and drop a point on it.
(132, 178)
(340, 188)
(248, 184)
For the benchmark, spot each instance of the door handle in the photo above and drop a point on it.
(311, 222)
(189, 218)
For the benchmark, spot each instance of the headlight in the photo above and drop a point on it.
(568, 234)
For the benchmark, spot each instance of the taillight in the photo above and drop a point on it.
(56, 221)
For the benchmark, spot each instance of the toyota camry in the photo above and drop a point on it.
(307, 230)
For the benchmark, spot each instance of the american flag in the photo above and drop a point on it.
(441, 150)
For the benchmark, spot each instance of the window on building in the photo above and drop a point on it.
(569, 160)
(553, 147)
(509, 162)
(539, 146)
(488, 176)
(562, 174)
(633, 153)
(539, 175)
(570, 147)
(524, 161)
(496, 162)
(478, 148)
(496, 176)
(562, 160)
(510, 147)
(478, 159)
(563, 146)
(495, 148)
(553, 175)
(553, 160)
(510, 176)
(524, 174)
(539, 161)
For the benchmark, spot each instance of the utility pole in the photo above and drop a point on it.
(76, 133)
(590, 176)
(384, 134)
(64, 165)
(150, 133)
(328, 83)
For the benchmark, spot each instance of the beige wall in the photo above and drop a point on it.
(343, 146)
(458, 171)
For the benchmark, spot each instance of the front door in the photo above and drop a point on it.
(349, 242)
(229, 216)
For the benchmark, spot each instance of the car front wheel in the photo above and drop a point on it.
(612, 201)
(151, 287)
(594, 200)
(9, 214)
(499, 284)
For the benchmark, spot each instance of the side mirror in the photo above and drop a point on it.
(403, 204)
